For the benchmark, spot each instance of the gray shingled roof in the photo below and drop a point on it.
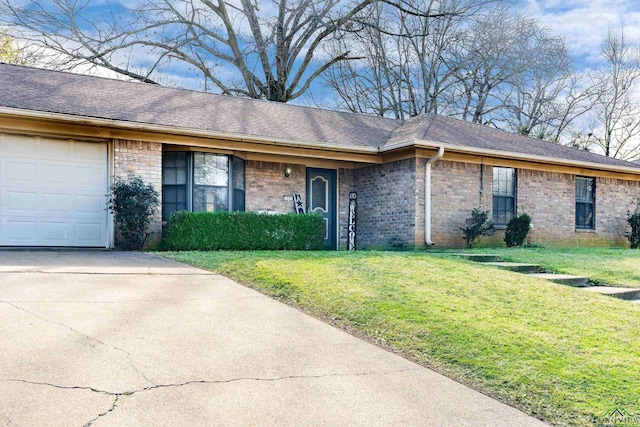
(87, 96)
(456, 132)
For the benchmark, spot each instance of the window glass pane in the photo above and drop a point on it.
(169, 176)
(504, 181)
(504, 192)
(585, 196)
(237, 181)
(584, 215)
(181, 159)
(169, 194)
(181, 175)
(210, 199)
(210, 169)
(238, 200)
(319, 190)
(584, 189)
(238, 173)
(169, 160)
(174, 180)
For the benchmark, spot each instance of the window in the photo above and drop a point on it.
(504, 195)
(585, 202)
(201, 182)
(210, 182)
(237, 173)
(174, 183)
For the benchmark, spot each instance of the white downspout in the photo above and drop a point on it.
(427, 196)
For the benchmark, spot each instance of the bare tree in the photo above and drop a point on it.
(547, 98)
(615, 126)
(255, 49)
(404, 63)
(499, 51)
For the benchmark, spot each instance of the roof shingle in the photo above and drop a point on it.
(89, 96)
(94, 97)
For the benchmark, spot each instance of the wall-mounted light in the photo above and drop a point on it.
(287, 171)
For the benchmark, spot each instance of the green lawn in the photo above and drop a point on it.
(618, 267)
(556, 352)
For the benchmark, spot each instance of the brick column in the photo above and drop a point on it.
(143, 159)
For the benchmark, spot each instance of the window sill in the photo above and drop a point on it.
(585, 230)
(500, 226)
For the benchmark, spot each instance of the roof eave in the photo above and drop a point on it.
(137, 126)
(507, 155)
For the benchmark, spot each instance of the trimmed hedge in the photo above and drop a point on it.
(242, 231)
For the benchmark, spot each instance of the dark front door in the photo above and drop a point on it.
(321, 198)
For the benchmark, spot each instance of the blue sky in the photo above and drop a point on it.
(583, 24)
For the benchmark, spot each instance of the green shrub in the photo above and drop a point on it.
(209, 231)
(133, 204)
(517, 230)
(478, 225)
(633, 219)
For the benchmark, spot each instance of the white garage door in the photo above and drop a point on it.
(52, 192)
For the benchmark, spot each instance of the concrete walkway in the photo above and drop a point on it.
(125, 339)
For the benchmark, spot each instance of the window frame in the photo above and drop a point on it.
(510, 200)
(177, 187)
(591, 204)
(232, 204)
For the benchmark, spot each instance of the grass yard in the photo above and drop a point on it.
(617, 267)
(558, 353)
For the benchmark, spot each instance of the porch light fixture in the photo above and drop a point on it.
(287, 171)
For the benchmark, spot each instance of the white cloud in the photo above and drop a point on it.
(584, 24)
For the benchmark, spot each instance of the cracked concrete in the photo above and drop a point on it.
(160, 343)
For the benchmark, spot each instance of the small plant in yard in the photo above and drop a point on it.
(133, 204)
(478, 225)
(517, 230)
(633, 219)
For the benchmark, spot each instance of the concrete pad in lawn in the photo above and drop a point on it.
(103, 339)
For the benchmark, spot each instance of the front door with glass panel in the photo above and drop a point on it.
(321, 199)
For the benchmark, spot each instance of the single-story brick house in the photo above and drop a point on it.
(63, 137)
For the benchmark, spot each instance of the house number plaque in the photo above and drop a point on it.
(351, 243)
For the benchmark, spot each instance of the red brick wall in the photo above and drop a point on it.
(386, 215)
(548, 197)
(266, 185)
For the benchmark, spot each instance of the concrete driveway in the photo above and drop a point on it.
(126, 339)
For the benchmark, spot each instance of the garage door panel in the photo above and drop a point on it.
(52, 192)
(89, 151)
(21, 202)
(55, 203)
(54, 148)
(90, 205)
(89, 176)
(53, 174)
(18, 144)
(56, 233)
(20, 172)
(89, 234)
(20, 232)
